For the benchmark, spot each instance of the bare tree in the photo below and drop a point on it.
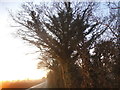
(65, 32)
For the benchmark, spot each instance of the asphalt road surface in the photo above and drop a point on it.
(38, 86)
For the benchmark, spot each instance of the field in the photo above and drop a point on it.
(21, 83)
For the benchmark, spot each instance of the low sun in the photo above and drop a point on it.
(35, 74)
(19, 71)
(14, 64)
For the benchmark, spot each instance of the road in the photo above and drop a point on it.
(41, 85)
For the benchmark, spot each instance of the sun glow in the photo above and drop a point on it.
(15, 72)
(31, 76)
(20, 69)
(14, 64)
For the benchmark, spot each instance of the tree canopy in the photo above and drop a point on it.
(65, 33)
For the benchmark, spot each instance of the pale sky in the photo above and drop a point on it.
(14, 63)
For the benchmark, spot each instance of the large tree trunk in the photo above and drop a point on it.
(71, 75)
(55, 79)
(87, 70)
(67, 75)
